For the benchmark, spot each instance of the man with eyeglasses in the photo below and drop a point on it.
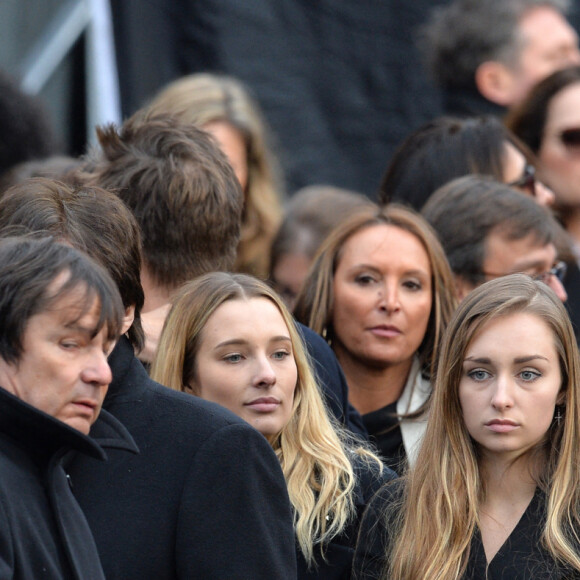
(489, 230)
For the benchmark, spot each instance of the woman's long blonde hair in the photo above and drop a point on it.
(440, 507)
(312, 453)
(204, 98)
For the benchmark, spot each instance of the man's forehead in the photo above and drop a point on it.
(69, 305)
(503, 254)
(546, 28)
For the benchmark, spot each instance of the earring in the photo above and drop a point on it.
(558, 415)
(325, 336)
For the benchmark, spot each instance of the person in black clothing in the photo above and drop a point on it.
(61, 314)
(494, 493)
(205, 497)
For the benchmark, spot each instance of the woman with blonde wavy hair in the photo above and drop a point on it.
(496, 489)
(223, 107)
(229, 338)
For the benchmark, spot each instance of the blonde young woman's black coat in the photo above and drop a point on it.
(339, 552)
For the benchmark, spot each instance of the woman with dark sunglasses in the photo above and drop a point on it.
(548, 121)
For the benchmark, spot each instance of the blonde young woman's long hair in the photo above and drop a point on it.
(440, 506)
(205, 98)
(312, 453)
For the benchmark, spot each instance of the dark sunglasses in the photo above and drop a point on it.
(527, 181)
(570, 138)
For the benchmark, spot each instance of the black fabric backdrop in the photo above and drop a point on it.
(340, 82)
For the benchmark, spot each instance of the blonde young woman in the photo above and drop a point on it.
(496, 489)
(381, 291)
(229, 338)
(223, 107)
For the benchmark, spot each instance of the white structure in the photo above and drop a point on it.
(75, 18)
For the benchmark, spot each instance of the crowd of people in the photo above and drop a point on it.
(204, 377)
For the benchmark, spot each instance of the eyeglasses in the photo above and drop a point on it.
(527, 181)
(558, 270)
(570, 138)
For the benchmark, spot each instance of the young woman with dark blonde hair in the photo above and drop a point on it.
(495, 492)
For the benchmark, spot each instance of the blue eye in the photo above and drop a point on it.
(529, 375)
(280, 354)
(478, 375)
(233, 358)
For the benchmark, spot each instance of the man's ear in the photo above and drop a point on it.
(496, 82)
(128, 319)
(462, 287)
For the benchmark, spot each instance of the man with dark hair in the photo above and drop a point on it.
(488, 230)
(69, 213)
(61, 313)
(487, 54)
(205, 498)
(186, 199)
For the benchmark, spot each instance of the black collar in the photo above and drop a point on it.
(469, 103)
(120, 362)
(40, 433)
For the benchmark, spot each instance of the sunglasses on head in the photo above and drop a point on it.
(570, 138)
(527, 181)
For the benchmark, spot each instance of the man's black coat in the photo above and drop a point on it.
(43, 532)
